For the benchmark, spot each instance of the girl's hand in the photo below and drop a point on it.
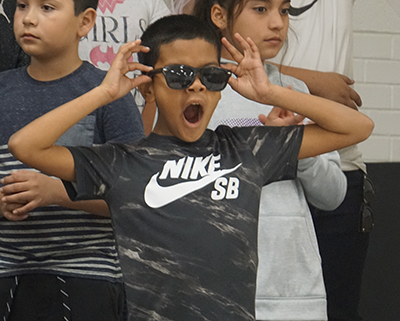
(116, 83)
(281, 117)
(252, 81)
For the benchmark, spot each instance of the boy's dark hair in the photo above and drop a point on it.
(202, 10)
(171, 28)
(81, 5)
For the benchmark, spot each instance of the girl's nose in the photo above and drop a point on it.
(276, 20)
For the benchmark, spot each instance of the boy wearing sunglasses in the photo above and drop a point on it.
(184, 201)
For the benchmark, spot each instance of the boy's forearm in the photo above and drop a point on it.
(325, 113)
(336, 123)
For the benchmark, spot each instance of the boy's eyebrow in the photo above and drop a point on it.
(211, 64)
(269, 1)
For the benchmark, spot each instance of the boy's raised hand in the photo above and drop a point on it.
(116, 83)
(251, 79)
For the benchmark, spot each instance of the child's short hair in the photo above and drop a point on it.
(171, 28)
(82, 5)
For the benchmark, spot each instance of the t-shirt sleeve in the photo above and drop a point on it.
(96, 170)
(119, 121)
(276, 150)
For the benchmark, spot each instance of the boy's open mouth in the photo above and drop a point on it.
(193, 113)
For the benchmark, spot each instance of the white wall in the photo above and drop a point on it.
(377, 75)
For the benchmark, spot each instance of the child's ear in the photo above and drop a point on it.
(87, 21)
(147, 91)
(219, 16)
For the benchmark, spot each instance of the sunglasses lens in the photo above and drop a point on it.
(215, 79)
(179, 77)
(369, 191)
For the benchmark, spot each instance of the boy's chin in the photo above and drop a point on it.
(192, 136)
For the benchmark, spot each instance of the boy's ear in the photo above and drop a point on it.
(87, 21)
(147, 91)
(219, 16)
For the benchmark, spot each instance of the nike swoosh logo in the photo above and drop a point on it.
(157, 196)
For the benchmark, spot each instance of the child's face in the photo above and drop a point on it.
(266, 22)
(184, 113)
(47, 29)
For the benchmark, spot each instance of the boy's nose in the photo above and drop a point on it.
(30, 17)
(197, 85)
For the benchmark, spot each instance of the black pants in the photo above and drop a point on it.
(41, 297)
(343, 250)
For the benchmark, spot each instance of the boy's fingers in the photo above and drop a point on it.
(14, 217)
(18, 198)
(23, 210)
(12, 178)
(139, 80)
(247, 44)
(13, 188)
(230, 67)
(129, 48)
(236, 55)
(138, 66)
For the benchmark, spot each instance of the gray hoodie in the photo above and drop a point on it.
(289, 282)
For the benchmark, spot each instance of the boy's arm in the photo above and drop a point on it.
(34, 144)
(336, 126)
(329, 85)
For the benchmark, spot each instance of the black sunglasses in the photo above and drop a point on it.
(182, 76)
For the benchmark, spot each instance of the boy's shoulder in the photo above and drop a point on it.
(87, 72)
(12, 79)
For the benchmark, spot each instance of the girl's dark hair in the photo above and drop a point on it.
(171, 28)
(82, 5)
(202, 10)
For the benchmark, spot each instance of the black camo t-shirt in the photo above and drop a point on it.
(185, 216)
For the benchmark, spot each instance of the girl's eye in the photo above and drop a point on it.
(285, 11)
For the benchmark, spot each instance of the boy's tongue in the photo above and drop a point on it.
(192, 113)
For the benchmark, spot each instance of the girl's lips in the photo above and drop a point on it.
(274, 40)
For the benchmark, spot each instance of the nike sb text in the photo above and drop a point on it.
(189, 169)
